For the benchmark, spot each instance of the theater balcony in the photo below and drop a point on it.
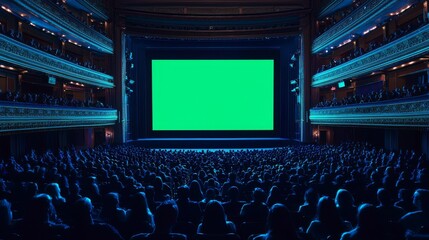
(18, 53)
(15, 117)
(364, 17)
(408, 112)
(96, 7)
(56, 17)
(330, 6)
(404, 49)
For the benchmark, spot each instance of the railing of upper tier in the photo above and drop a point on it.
(24, 117)
(410, 112)
(364, 15)
(407, 47)
(18, 53)
(69, 24)
(96, 7)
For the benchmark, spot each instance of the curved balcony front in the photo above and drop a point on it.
(411, 112)
(18, 53)
(95, 7)
(34, 117)
(49, 15)
(331, 6)
(370, 13)
(408, 47)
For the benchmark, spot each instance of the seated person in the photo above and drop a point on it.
(415, 222)
(83, 226)
(257, 210)
(165, 217)
(328, 222)
(280, 224)
(368, 225)
(214, 220)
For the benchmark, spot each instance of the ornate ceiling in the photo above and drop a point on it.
(212, 18)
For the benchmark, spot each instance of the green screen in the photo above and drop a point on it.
(210, 95)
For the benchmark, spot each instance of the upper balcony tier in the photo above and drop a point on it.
(366, 16)
(330, 6)
(410, 112)
(34, 117)
(95, 7)
(403, 49)
(20, 54)
(50, 16)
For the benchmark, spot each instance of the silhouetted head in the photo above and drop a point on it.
(82, 210)
(421, 199)
(233, 193)
(40, 209)
(311, 197)
(53, 189)
(258, 195)
(280, 222)
(166, 216)
(111, 201)
(367, 218)
(384, 197)
(183, 192)
(214, 217)
(344, 198)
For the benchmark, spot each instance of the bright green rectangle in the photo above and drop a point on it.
(210, 95)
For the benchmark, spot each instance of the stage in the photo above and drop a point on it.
(213, 143)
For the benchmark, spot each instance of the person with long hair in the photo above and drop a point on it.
(139, 218)
(280, 225)
(368, 225)
(328, 222)
(214, 220)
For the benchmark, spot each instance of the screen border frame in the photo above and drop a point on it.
(210, 54)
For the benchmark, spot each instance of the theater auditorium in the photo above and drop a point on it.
(214, 120)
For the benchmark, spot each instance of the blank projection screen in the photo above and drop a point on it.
(212, 95)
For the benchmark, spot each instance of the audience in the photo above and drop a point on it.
(381, 95)
(42, 98)
(111, 192)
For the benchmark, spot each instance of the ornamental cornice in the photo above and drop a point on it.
(24, 117)
(405, 48)
(20, 54)
(413, 112)
(366, 14)
(54, 15)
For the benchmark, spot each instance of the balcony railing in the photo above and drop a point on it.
(330, 6)
(95, 7)
(405, 48)
(25, 117)
(364, 17)
(411, 112)
(68, 24)
(18, 53)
